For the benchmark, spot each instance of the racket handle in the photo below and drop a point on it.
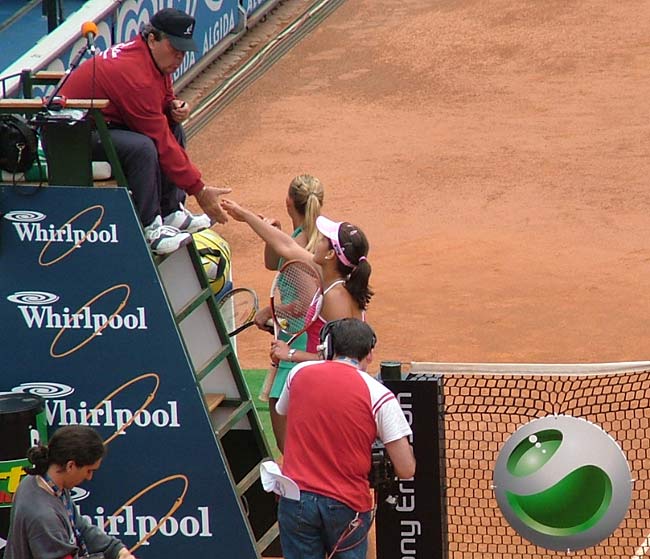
(268, 383)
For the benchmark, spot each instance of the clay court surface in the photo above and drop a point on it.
(495, 153)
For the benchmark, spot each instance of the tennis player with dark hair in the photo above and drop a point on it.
(335, 412)
(45, 523)
(341, 255)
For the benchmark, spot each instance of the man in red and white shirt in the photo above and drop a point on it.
(335, 412)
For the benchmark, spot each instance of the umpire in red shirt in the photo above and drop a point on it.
(144, 118)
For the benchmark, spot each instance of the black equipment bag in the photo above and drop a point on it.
(18, 144)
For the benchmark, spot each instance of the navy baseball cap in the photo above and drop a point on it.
(178, 26)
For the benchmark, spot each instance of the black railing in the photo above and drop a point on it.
(53, 10)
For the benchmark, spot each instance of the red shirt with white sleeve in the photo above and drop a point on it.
(335, 412)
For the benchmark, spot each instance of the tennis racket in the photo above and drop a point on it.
(296, 301)
(238, 308)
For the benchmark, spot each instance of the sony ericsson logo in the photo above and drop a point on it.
(60, 241)
(562, 483)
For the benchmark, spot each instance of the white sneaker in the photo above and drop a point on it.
(185, 220)
(164, 239)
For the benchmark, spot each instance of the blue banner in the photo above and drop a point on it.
(254, 5)
(86, 325)
(215, 20)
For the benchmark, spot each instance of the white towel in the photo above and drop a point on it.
(273, 480)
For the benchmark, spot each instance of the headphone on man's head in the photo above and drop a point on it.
(327, 336)
(326, 347)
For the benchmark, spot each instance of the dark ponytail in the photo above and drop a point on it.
(355, 246)
(38, 456)
(79, 443)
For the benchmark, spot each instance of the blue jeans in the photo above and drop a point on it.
(311, 527)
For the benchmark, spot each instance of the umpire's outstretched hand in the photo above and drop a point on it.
(208, 199)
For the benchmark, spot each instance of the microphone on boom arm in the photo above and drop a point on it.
(90, 31)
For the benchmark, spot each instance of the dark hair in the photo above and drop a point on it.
(147, 28)
(352, 338)
(79, 443)
(355, 246)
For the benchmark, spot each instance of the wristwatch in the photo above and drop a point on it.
(292, 352)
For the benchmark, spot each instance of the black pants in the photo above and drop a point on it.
(152, 193)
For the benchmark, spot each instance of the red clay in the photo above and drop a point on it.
(494, 152)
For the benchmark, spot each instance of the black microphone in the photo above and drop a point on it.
(90, 31)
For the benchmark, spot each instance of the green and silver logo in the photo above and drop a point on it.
(562, 483)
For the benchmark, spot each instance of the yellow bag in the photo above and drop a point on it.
(216, 259)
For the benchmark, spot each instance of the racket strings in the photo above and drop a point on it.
(243, 308)
(238, 308)
(296, 298)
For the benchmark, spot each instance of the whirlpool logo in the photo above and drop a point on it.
(78, 327)
(562, 483)
(85, 227)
